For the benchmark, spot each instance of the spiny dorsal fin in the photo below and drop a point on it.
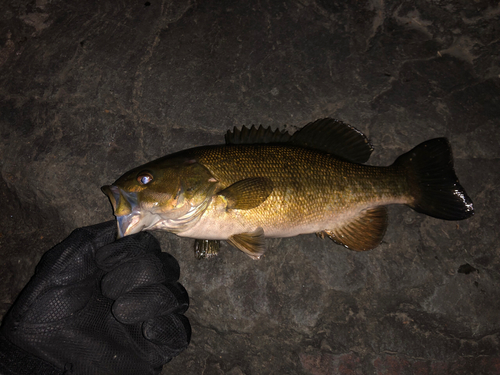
(334, 137)
(256, 135)
(363, 233)
(248, 193)
(252, 243)
(327, 135)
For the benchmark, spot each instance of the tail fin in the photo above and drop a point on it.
(433, 181)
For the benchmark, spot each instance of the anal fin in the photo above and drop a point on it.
(206, 248)
(365, 232)
(252, 243)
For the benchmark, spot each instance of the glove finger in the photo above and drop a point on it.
(102, 233)
(171, 267)
(148, 302)
(125, 249)
(79, 247)
(172, 331)
(136, 273)
(181, 295)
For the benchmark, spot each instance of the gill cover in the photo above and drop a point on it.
(176, 192)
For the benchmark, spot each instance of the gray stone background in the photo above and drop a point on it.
(90, 89)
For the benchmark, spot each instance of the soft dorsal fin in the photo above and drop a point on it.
(334, 137)
(255, 135)
(248, 193)
(363, 233)
(327, 135)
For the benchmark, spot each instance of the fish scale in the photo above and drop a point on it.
(308, 185)
(283, 185)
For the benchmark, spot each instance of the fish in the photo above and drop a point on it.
(265, 183)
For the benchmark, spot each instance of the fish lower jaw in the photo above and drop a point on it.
(134, 223)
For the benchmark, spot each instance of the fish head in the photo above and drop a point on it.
(162, 194)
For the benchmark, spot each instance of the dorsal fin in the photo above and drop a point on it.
(334, 137)
(255, 135)
(327, 135)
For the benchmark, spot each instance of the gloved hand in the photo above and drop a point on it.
(98, 306)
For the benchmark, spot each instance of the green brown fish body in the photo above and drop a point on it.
(270, 184)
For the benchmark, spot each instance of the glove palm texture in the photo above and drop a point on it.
(99, 306)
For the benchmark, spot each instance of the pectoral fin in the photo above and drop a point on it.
(252, 244)
(363, 233)
(206, 248)
(248, 193)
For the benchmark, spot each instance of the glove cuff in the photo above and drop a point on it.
(16, 361)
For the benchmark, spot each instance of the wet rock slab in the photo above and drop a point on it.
(89, 90)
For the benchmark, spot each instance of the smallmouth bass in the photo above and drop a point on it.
(265, 183)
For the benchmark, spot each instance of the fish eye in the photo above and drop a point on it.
(144, 178)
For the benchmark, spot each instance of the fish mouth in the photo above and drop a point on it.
(129, 219)
(128, 224)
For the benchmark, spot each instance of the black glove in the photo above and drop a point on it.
(98, 306)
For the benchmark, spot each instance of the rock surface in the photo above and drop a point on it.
(90, 89)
